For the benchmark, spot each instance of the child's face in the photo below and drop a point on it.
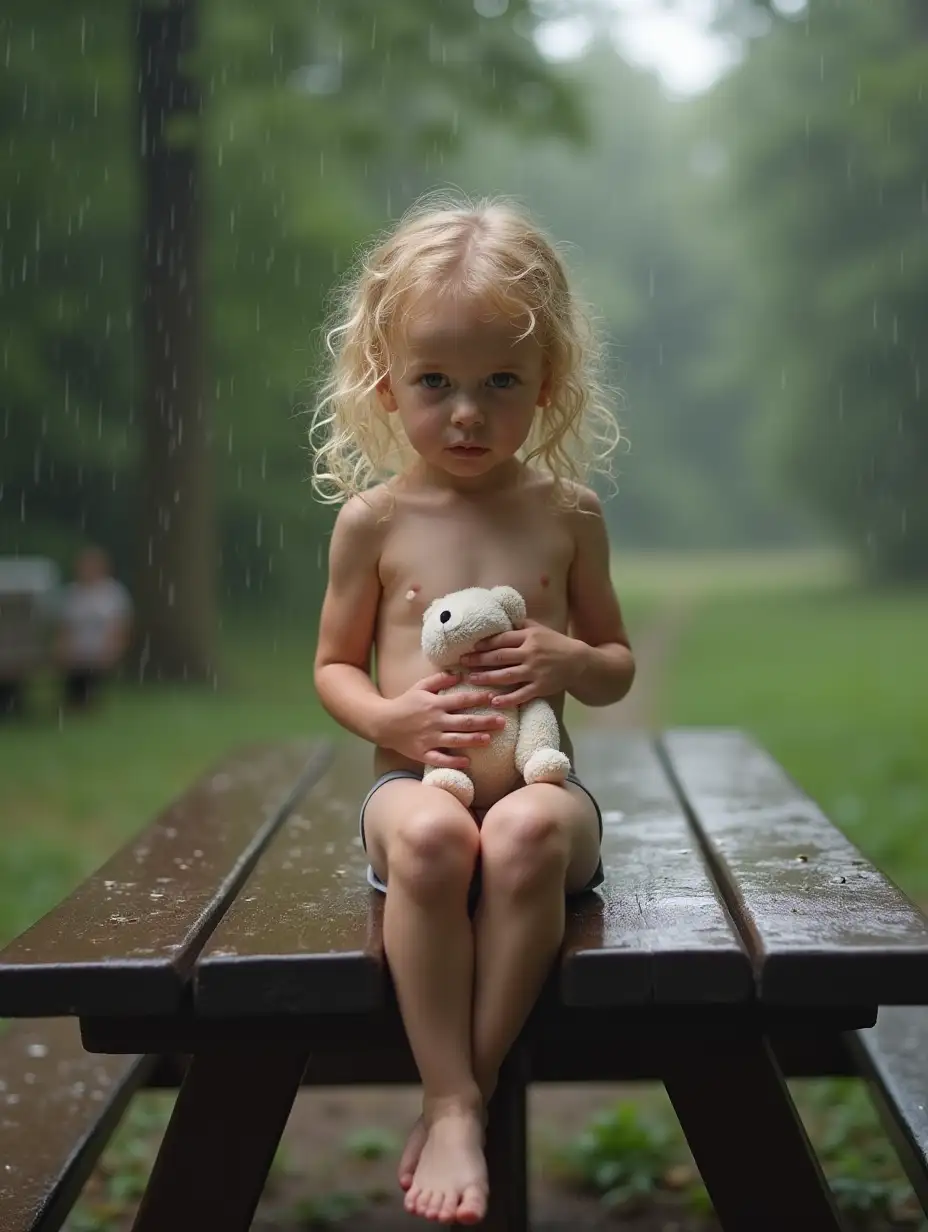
(464, 384)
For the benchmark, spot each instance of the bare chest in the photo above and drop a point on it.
(427, 556)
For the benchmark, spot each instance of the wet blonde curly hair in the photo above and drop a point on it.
(487, 248)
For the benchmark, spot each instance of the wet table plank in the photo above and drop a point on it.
(657, 929)
(893, 1057)
(126, 939)
(823, 925)
(305, 933)
(58, 1106)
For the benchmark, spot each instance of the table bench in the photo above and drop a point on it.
(738, 938)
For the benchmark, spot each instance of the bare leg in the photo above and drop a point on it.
(536, 843)
(424, 844)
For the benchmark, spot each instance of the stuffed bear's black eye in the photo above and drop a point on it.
(445, 617)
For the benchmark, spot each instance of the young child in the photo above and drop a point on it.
(95, 624)
(463, 380)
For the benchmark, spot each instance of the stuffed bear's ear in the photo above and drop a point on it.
(510, 601)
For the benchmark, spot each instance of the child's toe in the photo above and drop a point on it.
(435, 1203)
(448, 1211)
(473, 1205)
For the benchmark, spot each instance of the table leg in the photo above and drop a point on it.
(506, 1148)
(231, 1110)
(746, 1137)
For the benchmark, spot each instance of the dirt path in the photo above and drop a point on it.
(320, 1172)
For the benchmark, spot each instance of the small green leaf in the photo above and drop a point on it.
(372, 1143)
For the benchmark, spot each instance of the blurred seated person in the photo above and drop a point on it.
(95, 619)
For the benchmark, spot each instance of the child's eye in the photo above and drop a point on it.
(503, 380)
(433, 380)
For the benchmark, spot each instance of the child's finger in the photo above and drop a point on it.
(435, 684)
(498, 677)
(466, 699)
(461, 739)
(434, 757)
(500, 640)
(493, 657)
(466, 722)
(518, 697)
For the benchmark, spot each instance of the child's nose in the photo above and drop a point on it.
(466, 411)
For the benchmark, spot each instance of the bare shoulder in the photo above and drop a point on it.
(583, 514)
(362, 522)
(564, 494)
(585, 501)
(367, 509)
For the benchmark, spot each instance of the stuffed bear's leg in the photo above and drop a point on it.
(538, 757)
(454, 781)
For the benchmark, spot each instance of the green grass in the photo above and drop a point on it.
(658, 577)
(75, 788)
(634, 1153)
(835, 684)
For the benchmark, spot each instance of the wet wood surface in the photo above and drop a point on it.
(248, 895)
(240, 923)
(821, 922)
(893, 1057)
(126, 939)
(657, 930)
(305, 933)
(58, 1106)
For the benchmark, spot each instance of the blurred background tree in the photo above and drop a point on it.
(305, 112)
(824, 131)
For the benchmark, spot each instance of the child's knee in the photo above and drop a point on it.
(523, 846)
(434, 851)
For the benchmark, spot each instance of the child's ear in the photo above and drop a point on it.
(385, 394)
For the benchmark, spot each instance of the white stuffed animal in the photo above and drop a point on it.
(529, 743)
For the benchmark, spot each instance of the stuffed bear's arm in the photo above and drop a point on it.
(538, 757)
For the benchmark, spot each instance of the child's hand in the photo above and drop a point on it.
(423, 723)
(540, 660)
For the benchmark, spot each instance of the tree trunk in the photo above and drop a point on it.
(176, 583)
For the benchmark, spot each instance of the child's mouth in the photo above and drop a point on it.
(469, 451)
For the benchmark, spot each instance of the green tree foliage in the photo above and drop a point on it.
(307, 106)
(66, 295)
(825, 129)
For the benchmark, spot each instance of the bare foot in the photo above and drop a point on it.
(450, 1181)
(410, 1159)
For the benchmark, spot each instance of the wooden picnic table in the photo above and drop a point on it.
(738, 938)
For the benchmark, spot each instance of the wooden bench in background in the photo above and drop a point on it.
(738, 937)
(893, 1057)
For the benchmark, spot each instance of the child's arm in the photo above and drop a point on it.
(605, 667)
(347, 623)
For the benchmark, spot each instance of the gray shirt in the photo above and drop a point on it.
(90, 614)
